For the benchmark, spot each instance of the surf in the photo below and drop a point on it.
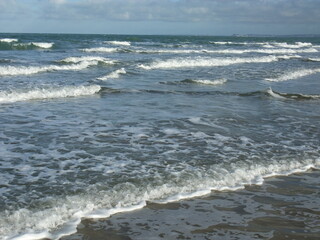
(47, 93)
(294, 75)
(192, 62)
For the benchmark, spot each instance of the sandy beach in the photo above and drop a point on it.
(284, 207)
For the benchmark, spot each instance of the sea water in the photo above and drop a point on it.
(92, 125)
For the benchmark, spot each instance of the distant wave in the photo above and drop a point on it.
(100, 49)
(121, 43)
(8, 40)
(208, 62)
(294, 96)
(79, 63)
(87, 59)
(47, 93)
(294, 75)
(207, 82)
(205, 51)
(33, 44)
(313, 59)
(266, 51)
(13, 70)
(200, 81)
(42, 44)
(13, 44)
(295, 45)
(113, 75)
(267, 44)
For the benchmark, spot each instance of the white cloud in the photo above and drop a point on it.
(277, 14)
(245, 11)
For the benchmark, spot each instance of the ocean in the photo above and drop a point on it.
(95, 125)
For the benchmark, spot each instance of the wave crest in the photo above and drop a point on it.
(206, 82)
(48, 93)
(87, 59)
(113, 75)
(8, 40)
(42, 44)
(294, 75)
(208, 62)
(121, 43)
(100, 49)
(293, 96)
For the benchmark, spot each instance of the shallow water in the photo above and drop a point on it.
(92, 125)
(281, 208)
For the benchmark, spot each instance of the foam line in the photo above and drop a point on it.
(208, 62)
(294, 75)
(121, 43)
(113, 75)
(29, 70)
(48, 93)
(8, 40)
(100, 49)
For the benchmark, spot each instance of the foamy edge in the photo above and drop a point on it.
(294, 75)
(209, 62)
(48, 93)
(229, 182)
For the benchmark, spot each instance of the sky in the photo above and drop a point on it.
(188, 17)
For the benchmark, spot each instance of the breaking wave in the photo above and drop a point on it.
(121, 43)
(293, 96)
(208, 62)
(313, 59)
(113, 75)
(265, 51)
(14, 70)
(78, 63)
(100, 49)
(63, 218)
(294, 75)
(47, 93)
(42, 44)
(8, 40)
(13, 44)
(205, 82)
(87, 59)
(267, 44)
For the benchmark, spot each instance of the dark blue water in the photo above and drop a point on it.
(97, 124)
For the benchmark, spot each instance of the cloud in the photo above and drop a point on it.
(240, 11)
(209, 16)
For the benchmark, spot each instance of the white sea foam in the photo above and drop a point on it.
(8, 40)
(268, 44)
(87, 59)
(211, 82)
(294, 75)
(47, 93)
(42, 44)
(121, 43)
(113, 75)
(266, 51)
(222, 42)
(207, 62)
(227, 51)
(100, 49)
(314, 59)
(275, 95)
(28, 70)
(291, 96)
(295, 45)
(63, 218)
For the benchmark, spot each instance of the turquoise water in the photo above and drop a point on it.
(97, 124)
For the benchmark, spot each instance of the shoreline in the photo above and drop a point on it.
(283, 207)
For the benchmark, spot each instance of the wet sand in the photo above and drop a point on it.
(286, 207)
